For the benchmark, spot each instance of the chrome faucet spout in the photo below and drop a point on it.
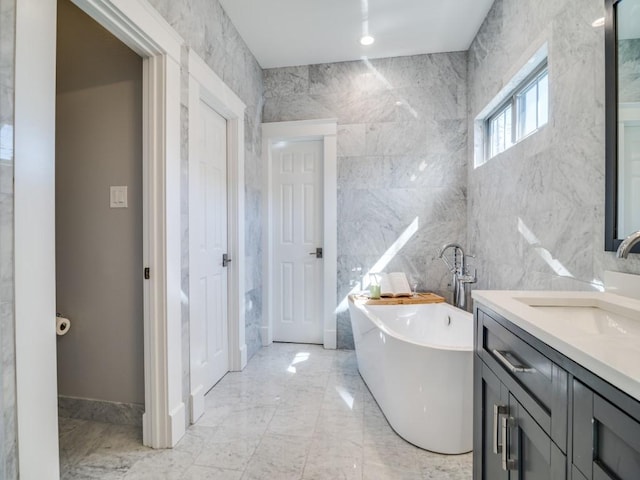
(456, 247)
(627, 244)
(447, 246)
(461, 277)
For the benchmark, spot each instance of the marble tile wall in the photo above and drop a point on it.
(402, 138)
(536, 211)
(8, 427)
(100, 411)
(207, 30)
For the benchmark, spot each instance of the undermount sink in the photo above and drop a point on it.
(592, 315)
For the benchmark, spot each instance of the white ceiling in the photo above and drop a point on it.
(303, 32)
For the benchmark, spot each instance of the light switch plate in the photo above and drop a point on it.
(118, 197)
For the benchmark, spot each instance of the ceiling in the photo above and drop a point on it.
(304, 32)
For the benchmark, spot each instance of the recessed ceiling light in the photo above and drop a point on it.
(598, 23)
(367, 40)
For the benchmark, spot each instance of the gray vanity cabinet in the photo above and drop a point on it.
(515, 408)
(540, 416)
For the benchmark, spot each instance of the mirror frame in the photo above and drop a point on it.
(611, 240)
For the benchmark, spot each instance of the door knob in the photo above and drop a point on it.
(317, 253)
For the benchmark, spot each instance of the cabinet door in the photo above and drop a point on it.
(606, 443)
(488, 442)
(532, 455)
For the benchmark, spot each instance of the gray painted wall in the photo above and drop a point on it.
(98, 249)
(8, 427)
(401, 158)
(536, 211)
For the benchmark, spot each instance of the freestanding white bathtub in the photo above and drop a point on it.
(417, 361)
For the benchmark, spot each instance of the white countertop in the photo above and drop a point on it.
(602, 335)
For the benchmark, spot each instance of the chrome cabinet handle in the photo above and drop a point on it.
(507, 464)
(512, 368)
(497, 411)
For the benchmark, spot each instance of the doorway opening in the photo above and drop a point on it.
(99, 218)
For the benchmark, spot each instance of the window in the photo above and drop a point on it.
(521, 114)
(500, 127)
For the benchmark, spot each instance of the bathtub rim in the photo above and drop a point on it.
(383, 327)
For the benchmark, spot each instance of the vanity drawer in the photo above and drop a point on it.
(540, 385)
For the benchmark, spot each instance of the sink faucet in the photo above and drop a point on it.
(461, 276)
(627, 244)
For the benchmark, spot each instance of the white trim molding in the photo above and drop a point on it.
(326, 130)
(137, 24)
(205, 84)
(34, 241)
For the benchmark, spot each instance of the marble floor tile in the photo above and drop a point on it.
(295, 412)
(296, 420)
(278, 456)
(340, 467)
(196, 472)
(234, 455)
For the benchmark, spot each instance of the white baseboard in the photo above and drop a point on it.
(330, 339)
(177, 422)
(197, 404)
(265, 334)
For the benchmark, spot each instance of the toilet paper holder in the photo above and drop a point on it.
(62, 324)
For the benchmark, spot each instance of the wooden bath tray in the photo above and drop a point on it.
(419, 298)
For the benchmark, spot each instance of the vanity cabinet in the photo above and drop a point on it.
(520, 405)
(539, 415)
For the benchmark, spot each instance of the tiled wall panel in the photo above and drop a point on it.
(536, 211)
(402, 149)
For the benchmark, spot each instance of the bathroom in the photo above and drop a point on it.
(533, 216)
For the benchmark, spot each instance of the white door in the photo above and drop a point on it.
(297, 233)
(207, 244)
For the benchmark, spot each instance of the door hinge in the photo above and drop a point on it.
(146, 273)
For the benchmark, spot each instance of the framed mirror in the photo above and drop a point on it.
(622, 79)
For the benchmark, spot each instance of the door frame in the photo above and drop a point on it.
(137, 24)
(204, 83)
(325, 130)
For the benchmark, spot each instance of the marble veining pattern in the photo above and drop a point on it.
(536, 211)
(402, 142)
(100, 411)
(8, 408)
(295, 412)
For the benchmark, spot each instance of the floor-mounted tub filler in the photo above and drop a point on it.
(417, 361)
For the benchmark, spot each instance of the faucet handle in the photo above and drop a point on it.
(466, 278)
